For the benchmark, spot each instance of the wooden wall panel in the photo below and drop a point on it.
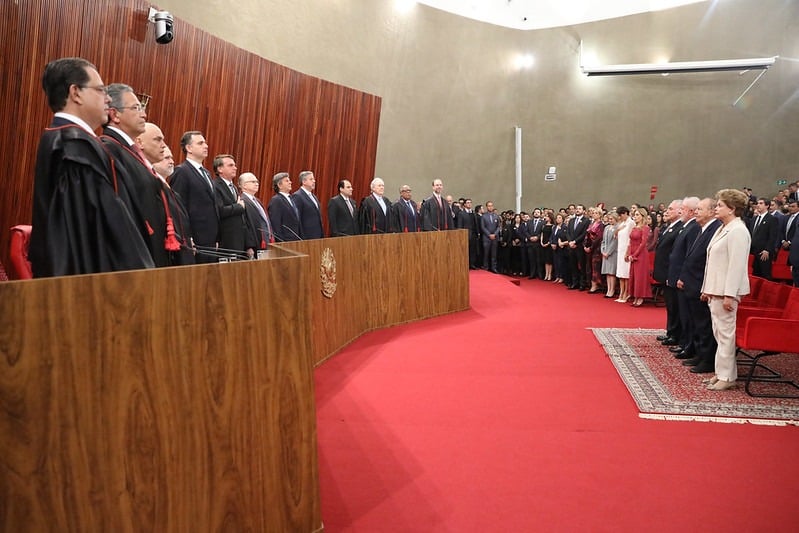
(171, 409)
(384, 280)
(269, 117)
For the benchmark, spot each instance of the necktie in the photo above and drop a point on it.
(410, 208)
(207, 176)
(265, 217)
(788, 227)
(293, 207)
(758, 220)
(349, 206)
(233, 191)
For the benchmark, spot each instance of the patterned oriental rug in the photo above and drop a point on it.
(663, 389)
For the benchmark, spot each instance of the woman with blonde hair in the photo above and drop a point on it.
(638, 256)
(726, 281)
(608, 251)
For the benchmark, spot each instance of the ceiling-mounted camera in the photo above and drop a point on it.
(164, 32)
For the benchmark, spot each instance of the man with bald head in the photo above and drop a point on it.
(80, 224)
(158, 158)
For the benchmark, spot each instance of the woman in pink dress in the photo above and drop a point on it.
(638, 257)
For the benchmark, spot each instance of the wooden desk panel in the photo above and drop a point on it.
(384, 280)
(177, 399)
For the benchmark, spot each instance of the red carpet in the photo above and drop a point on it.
(510, 417)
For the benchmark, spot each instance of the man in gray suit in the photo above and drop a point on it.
(489, 227)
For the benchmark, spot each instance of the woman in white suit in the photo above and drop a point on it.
(726, 281)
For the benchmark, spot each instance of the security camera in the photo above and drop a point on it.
(163, 26)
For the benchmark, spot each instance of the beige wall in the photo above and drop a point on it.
(451, 97)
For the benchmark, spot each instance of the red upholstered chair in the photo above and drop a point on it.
(770, 295)
(769, 332)
(780, 270)
(20, 239)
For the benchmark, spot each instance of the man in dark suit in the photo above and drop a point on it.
(685, 237)
(436, 213)
(373, 214)
(689, 282)
(232, 227)
(139, 187)
(74, 196)
(282, 212)
(403, 217)
(192, 182)
(259, 228)
(793, 191)
(793, 260)
(789, 224)
(764, 229)
(342, 213)
(465, 219)
(660, 273)
(308, 206)
(535, 226)
(577, 228)
(490, 226)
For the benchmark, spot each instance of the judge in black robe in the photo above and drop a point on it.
(141, 191)
(80, 223)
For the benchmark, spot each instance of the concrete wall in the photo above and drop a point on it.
(451, 96)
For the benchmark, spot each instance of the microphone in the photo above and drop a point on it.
(291, 231)
(219, 252)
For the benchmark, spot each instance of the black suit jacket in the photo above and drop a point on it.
(401, 218)
(577, 231)
(371, 218)
(258, 233)
(663, 250)
(285, 221)
(682, 242)
(467, 221)
(200, 202)
(692, 272)
(339, 220)
(765, 235)
(310, 215)
(232, 227)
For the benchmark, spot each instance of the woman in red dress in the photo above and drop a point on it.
(638, 257)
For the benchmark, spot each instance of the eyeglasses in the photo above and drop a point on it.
(136, 108)
(99, 88)
(405, 190)
(251, 181)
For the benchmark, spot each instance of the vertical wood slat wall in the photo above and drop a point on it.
(271, 118)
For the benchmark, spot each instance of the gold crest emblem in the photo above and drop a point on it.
(327, 273)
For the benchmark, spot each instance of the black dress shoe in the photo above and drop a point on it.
(662, 337)
(573, 287)
(693, 361)
(676, 349)
(671, 341)
(703, 369)
(683, 355)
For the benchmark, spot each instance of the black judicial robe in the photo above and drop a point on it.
(80, 224)
(142, 194)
